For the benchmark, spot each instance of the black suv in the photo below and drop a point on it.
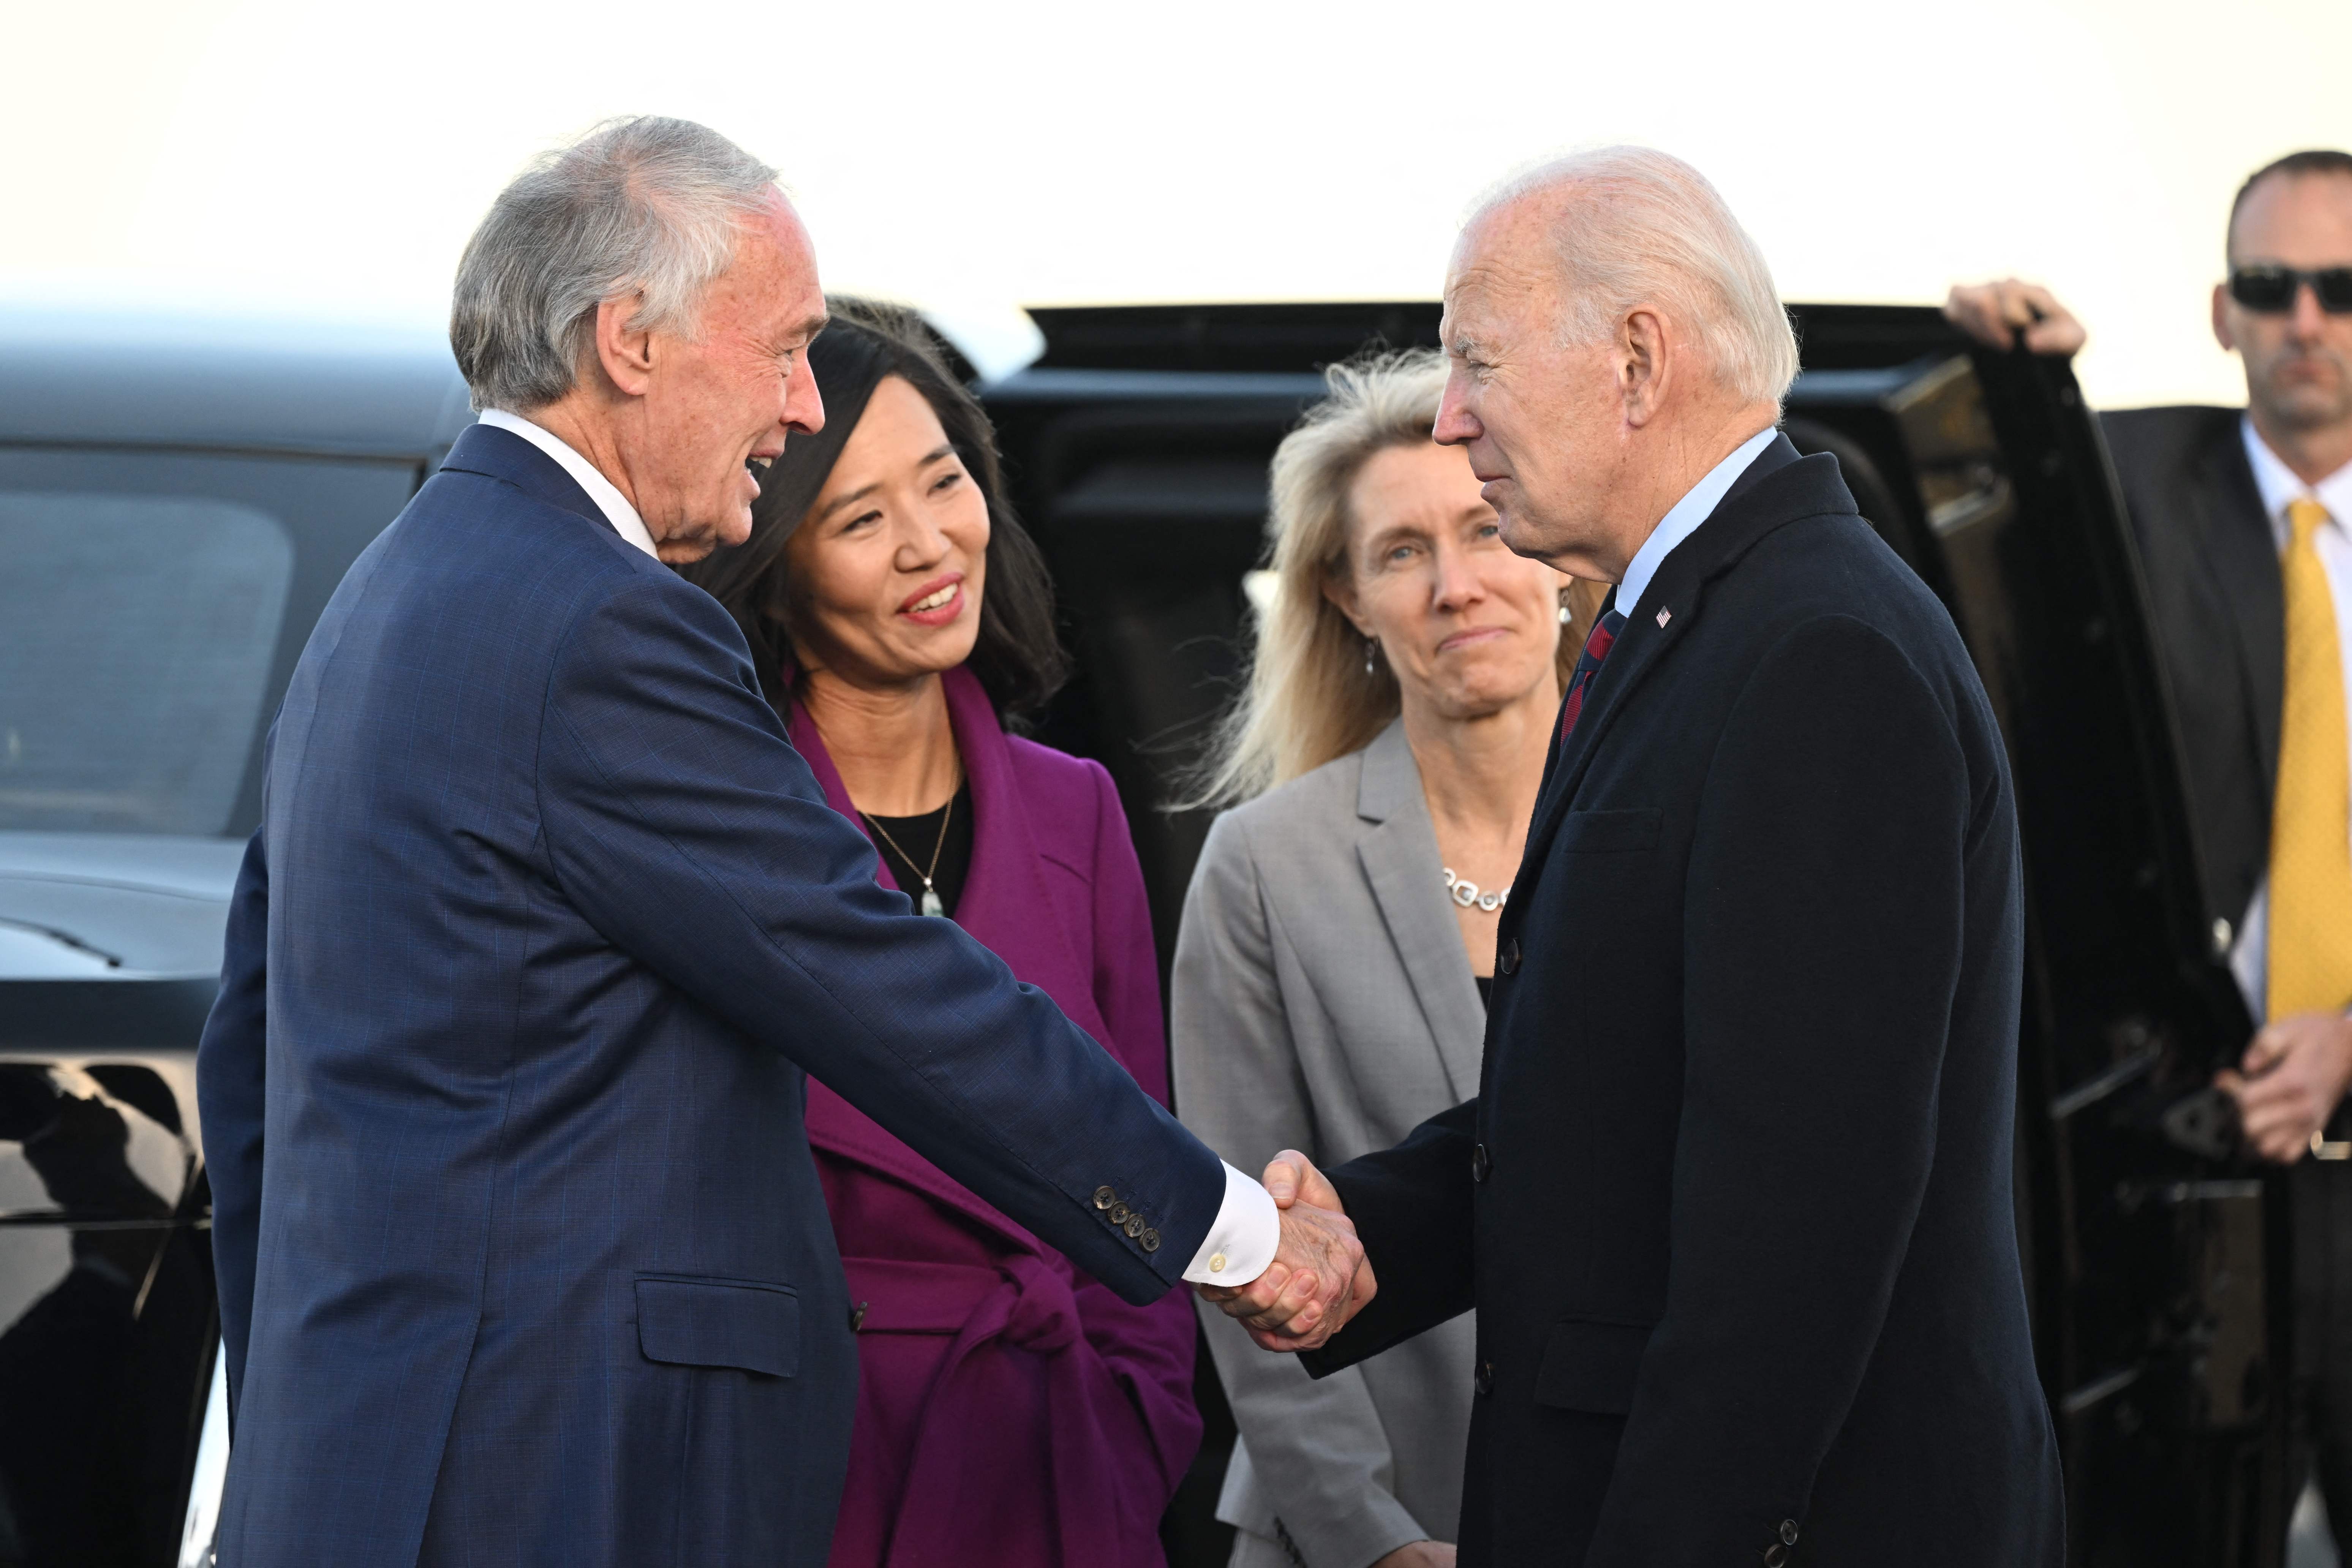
(177, 500)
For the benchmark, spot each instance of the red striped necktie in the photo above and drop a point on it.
(1596, 648)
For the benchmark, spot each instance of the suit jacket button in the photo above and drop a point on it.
(1105, 1197)
(1134, 1224)
(1479, 1163)
(1774, 1555)
(1788, 1532)
(1506, 958)
(1484, 1378)
(1149, 1240)
(1118, 1214)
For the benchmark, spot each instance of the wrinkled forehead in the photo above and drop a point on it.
(775, 268)
(1502, 269)
(773, 239)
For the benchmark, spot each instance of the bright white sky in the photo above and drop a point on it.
(295, 155)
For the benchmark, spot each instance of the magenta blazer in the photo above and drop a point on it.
(1012, 1413)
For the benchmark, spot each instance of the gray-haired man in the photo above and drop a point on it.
(523, 1257)
(1733, 1202)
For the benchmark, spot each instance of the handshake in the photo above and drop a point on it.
(1319, 1277)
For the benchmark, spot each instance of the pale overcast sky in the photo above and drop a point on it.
(296, 157)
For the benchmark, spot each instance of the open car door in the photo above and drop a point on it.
(2155, 1253)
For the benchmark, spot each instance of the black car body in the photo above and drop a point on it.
(177, 500)
(187, 497)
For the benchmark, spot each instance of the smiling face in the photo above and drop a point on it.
(2298, 364)
(714, 404)
(884, 576)
(1467, 626)
(1539, 419)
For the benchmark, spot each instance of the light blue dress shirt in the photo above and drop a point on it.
(1682, 520)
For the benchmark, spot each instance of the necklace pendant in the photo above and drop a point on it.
(930, 904)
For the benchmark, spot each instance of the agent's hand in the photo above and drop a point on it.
(2009, 312)
(1420, 1554)
(1319, 1277)
(2289, 1081)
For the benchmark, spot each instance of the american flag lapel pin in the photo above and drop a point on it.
(1664, 616)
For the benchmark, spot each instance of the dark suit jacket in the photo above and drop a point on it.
(2219, 613)
(1734, 1200)
(522, 1254)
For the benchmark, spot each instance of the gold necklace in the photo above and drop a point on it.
(932, 904)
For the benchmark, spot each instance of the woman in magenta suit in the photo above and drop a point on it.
(1010, 1411)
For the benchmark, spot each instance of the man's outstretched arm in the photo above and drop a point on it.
(680, 822)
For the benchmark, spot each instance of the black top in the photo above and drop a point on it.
(919, 835)
(1485, 989)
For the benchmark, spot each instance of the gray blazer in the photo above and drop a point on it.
(1322, 1002)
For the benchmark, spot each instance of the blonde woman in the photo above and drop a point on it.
(1340, 935)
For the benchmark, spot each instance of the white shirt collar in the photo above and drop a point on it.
(608, 499)
(1682, 520)
(2279, 485)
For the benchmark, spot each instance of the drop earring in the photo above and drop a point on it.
(1369, 644)
(1565, 613)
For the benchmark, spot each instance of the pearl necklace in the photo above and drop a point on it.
(1465, 892)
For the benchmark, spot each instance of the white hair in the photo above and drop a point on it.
(1642, 227)
(643, 207)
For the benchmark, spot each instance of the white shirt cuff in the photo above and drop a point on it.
(1242, 1240)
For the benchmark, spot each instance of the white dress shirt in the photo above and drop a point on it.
(1242, 1239)
(1682, 520)
(1248, 1227)
(602, 491)
(2250, 959)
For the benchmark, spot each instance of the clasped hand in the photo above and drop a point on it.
(2289, 1081)
(1319, 1277)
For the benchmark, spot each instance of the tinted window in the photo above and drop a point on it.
(151, 607)
(141, 631)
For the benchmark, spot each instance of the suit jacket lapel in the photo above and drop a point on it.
(2234, 539)
(1005, 904)
(1777, 488)
(1401, 860)
(1004, 871)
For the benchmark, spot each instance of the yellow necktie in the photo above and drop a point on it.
(2311, 821)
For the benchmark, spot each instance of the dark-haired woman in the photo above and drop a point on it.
(1011, 1410)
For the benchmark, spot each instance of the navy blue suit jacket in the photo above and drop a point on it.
(522, 1256)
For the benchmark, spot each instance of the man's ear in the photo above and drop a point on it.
(625, 353)
(2221, 317)
(1642, 365)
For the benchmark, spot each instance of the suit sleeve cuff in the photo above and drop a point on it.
(1242, 1239)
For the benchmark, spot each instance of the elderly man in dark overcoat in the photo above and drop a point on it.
(1733, 1202)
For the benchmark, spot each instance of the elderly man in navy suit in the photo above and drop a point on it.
(523, 1257)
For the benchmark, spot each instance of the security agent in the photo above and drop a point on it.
(2243, 519)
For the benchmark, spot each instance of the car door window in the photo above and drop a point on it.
(151, 607)
(141, 630)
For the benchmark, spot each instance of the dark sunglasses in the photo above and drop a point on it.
(2273, 290)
